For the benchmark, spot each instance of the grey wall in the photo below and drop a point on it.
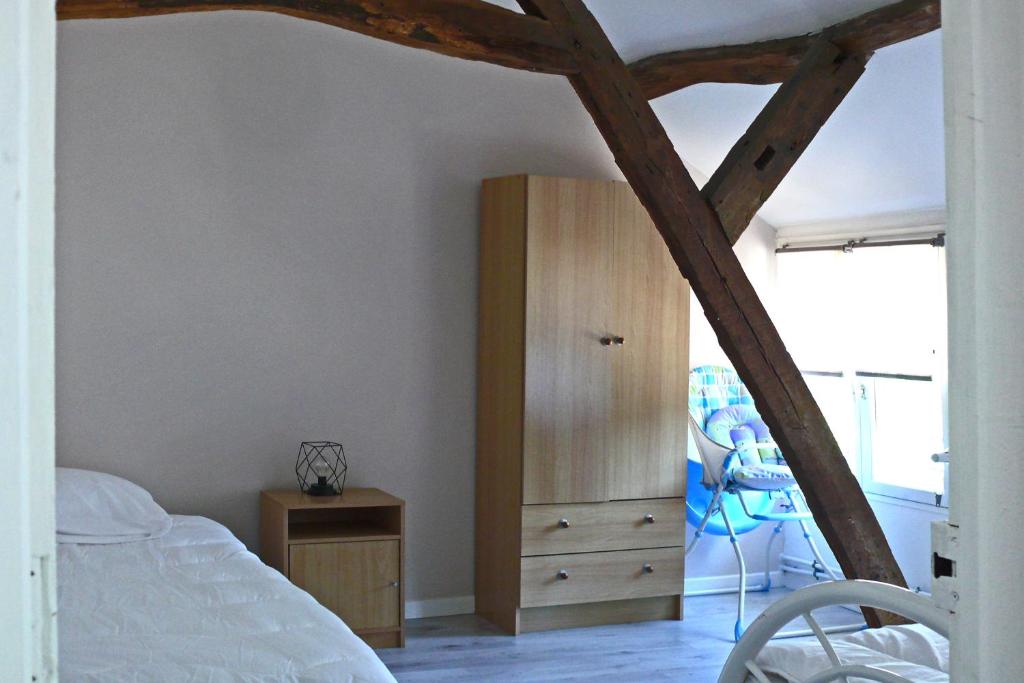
(267, 232)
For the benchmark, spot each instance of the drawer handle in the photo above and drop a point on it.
(563, 523)
(649, 518)
(648, 568)
(563, 573)
(393, 584)
(609, 341)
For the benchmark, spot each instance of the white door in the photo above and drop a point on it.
(27, 576)
(983, 44)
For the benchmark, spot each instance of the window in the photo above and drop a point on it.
(868, 330)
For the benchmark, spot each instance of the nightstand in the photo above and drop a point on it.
(346, 551)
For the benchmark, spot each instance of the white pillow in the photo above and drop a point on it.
(93, 507)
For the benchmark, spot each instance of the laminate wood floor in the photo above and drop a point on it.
(466, 648)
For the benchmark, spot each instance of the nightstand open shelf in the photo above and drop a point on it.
(347, 551)
(313, 532)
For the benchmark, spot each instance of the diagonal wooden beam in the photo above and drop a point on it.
(773, 61)
(782, 131)
(698, 244)
(470, 29)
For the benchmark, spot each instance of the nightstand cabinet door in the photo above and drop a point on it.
(359, 581)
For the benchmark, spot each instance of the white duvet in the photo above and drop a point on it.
(913, 651)
(195, 605)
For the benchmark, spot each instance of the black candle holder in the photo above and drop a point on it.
(321, 468)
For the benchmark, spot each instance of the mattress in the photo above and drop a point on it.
(913, 651)
(195, 605)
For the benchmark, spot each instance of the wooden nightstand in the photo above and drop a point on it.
(347, 551)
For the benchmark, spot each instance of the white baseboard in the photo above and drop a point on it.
(439, 607)
(798, 581)
(697, 584)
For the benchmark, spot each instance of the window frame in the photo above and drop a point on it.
(864, 391)
(860, 386)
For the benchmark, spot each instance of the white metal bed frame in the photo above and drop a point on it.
(741, 663)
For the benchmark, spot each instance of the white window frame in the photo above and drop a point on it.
(861, 391)
(864, 399)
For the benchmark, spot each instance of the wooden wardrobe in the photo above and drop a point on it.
(581, 408)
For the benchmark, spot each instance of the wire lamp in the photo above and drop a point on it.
(321, 468)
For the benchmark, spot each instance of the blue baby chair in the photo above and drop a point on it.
(741, 479)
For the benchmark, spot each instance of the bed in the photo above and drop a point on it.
(915, 653)
(179, 598)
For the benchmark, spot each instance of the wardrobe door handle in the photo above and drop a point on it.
(563, 523)
(563, 573)
(648, 568)
(618, 341)
(606, 341)
(649, 518)
(393, 584)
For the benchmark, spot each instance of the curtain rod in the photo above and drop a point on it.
(863, 242)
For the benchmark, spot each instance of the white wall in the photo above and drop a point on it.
(267, 232)
(907, 527)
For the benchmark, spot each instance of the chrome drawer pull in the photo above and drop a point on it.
(648, 568)
(564, 523)
(563, 573)
(649, 518)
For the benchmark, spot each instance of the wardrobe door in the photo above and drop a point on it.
(568, 374)
(650, 313)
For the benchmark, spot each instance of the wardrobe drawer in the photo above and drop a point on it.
(591, 527)
(596, 577)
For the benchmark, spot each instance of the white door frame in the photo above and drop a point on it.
(983, 55)
(27, 576)
(983, 48)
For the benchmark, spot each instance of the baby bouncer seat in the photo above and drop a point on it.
(741, 479)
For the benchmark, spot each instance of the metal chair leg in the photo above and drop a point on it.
(768, 557)
(738, 628)
(712, 507)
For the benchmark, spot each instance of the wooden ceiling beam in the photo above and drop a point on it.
(478, 30)
(470, 29)
(773, 61)
(699, 246)
(782, 131)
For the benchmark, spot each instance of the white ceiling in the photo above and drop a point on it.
(880, 153)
